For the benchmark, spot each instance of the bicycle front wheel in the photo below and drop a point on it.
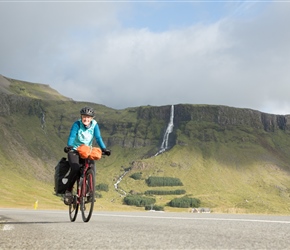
(74, 206)
(88, 197)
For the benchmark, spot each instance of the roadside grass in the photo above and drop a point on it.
(18, 191)
(223, 192)
(230, 182)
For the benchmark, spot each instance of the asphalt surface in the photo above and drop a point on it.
(39, 229)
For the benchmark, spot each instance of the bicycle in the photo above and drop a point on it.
(83, 190)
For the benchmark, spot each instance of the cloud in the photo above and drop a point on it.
(85, 52)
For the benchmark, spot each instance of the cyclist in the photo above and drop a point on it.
(83, 131)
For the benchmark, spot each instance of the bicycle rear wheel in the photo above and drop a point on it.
(88, 198)
(74, 207)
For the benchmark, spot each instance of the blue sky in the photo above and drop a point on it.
(131, 53)
(159, 16)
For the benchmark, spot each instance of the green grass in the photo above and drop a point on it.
(22, 192)
(255, 188)
(251, 189)
(35, 90)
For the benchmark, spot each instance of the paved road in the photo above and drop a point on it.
(36, 229)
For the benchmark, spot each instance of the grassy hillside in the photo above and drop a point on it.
(256, 187)
(31, 90)
(233, 160)
(228, 178)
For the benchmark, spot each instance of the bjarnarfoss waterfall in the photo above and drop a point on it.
(163, 147)
(169, 129)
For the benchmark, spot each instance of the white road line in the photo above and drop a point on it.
(8, 227)
(165, 217)
(187, 218)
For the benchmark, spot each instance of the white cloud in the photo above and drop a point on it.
(82, 51)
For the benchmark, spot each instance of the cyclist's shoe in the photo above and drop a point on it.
(68, 198)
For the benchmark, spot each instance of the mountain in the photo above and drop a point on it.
(234, 160)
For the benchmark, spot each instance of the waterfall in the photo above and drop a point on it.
(119, 180)
(42, 120)
(169, 129)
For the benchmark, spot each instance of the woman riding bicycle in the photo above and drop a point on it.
(83, 131)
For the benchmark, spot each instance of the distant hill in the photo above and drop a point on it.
(234, 160)
(31, 90)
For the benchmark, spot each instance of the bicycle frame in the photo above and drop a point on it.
(82, 181)
(85, 193)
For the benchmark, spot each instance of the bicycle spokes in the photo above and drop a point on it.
(88, 195)
(74, 206)
(84, 195)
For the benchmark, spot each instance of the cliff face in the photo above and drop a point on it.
(140, 126)
(194, 121)
(220, 115)
(14, 104)
(147, 125)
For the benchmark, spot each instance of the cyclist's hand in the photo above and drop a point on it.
(106, 152)
(67, 149)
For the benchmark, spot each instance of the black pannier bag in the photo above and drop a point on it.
(61, 181)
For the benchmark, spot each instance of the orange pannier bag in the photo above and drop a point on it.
(92, 153)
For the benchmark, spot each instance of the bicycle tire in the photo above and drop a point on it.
(74, 207)
(88, 197)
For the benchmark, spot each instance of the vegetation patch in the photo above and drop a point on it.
(154, 207)
(154, 181)
(136, 176)
(184, 202)
(102, 187)
(138, 200)
(98, 195)
(165, 192)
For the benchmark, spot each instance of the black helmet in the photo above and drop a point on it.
(87, 111)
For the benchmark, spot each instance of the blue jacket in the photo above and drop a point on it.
(80, 134)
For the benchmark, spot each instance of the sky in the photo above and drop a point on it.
(133, 53)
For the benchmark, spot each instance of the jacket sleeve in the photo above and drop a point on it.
(73, 133)
(98, 137)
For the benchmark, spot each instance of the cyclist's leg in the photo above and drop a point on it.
(93, 165)
(73, 159)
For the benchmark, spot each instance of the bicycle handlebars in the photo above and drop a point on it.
(104, 151)
(67, 149)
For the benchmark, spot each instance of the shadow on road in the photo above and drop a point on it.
(32, 222)
(6, 221)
